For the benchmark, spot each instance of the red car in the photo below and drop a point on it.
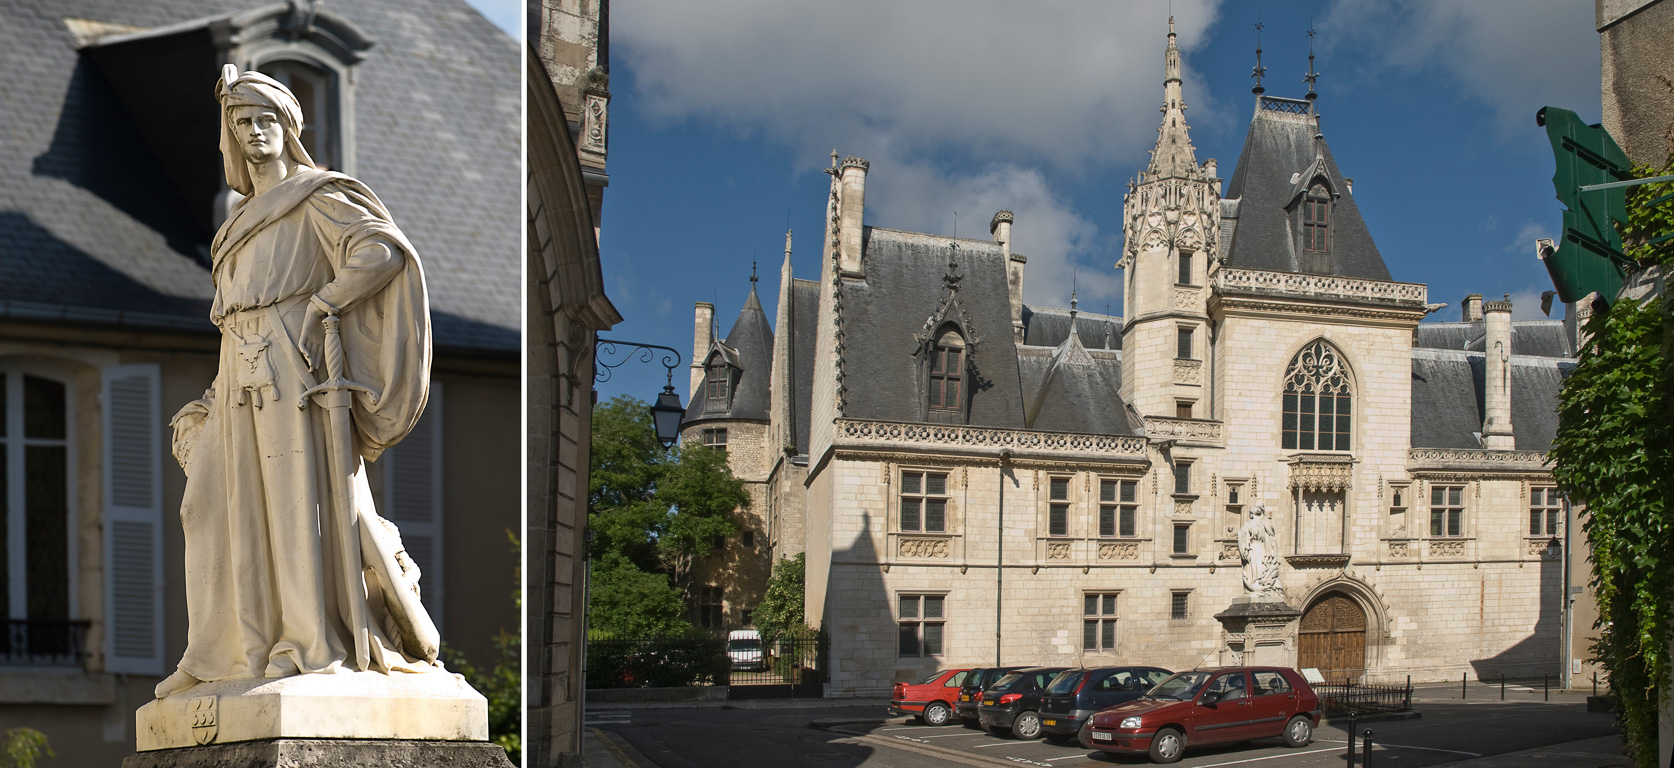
(1210, 706)
(931, 699)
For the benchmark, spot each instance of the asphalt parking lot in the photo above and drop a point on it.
(861, 736)
(1446, 733)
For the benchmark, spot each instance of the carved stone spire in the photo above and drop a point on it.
(1173, 155)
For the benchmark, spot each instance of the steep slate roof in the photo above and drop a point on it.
(903, 288)
(1078, 398)
(1049, 326)
(1447, 399)
(804, 315)
(1540, 338)
(749, 346)
(91, 229)
(1279, 145)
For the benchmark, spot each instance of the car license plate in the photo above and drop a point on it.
(964, 698)
(988, 703)
(1050, 722)
(1101, 736)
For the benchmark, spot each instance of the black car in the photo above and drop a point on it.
(1073, 697)
(1012, 704)
(970, 694)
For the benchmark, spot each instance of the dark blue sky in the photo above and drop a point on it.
(722, 116)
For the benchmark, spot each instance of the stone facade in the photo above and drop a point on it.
(1077, 505)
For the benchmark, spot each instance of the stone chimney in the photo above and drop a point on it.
(1000, 227)
(703, 325)
(851, 209)
(1496, 422)
(1470, 310)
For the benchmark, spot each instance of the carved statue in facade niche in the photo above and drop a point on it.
(324, 365)
(1258, 548)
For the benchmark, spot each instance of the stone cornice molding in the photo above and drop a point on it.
(1442, 460)
(1357, 314)
(857, 434)
(1322, 471)
(1250, 282)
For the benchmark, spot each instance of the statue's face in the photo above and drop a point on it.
(259, 132)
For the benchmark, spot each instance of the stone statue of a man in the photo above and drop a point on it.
(288, 567)
(1258, 545)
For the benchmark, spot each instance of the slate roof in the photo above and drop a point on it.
(804, 316)
(91, 229)
(749, 347)
(1447, 399)
(1049, 326)
(1077, 398)
(903, 288)
(1540, 338)
(1261, 236)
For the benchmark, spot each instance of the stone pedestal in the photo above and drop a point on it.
(1258, 633)
(433, 706)
(309, 753)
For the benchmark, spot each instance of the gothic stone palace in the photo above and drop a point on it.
(951, 458)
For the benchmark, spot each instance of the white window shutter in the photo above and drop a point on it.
(133, 530)
(413, 491)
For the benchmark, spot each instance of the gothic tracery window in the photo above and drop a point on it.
(1318, 400)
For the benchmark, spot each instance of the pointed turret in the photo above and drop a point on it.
(1173, 155)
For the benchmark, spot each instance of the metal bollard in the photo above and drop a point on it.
(1595, 683)
(1502, 686)
(1545, 687)
(1464, 693)
(1366, 757)
(1351, 741)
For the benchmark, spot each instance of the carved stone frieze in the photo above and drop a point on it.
(1322, 472)
(884, 433)
(922, 547)
(1399, 549)
(1546, 548)
(595, 123)
(1182, 508)
(1188, 299)
(1318, 561)
(1229, 551)
(1119, 550)
(1419, 459)
(1057, 550)
(1306, 286)
(1188, 372)
(1186, 431)
(1447, 548)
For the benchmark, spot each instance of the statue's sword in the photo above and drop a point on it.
(335, 396)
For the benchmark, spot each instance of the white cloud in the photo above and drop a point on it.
(1525, 305)
(1062, 83)
(1523, 242)
(1515, 55)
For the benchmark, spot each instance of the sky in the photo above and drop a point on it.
(723, 115)
(506, 14)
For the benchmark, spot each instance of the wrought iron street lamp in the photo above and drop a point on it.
(667, 412)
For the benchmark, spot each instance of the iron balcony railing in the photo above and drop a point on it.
(44, 643)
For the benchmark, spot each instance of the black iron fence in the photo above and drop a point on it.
(705, 657)
(44, 643)
(1340, 698)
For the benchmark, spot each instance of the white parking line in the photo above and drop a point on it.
(1065, 757)
(946, 735)
(999, 744)
(919, 727)
(1270, 757)
(1376, 744)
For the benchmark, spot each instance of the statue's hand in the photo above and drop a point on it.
(188, 423)
(311, 341)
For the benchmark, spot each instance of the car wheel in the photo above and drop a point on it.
(936, 713)
(1167, 746)
(1299, 731)
(1085, 735)
(1026, 726)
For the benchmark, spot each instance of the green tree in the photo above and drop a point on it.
(1612, 452)
(651, 511)
(781, 608)
(20, 746)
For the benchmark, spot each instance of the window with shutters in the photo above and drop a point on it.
(924, 501)
(37, 538)
(1318, 400)
(920, 624)
(134, 442)
(1098, 624)
(1118, 507)
(410, 478)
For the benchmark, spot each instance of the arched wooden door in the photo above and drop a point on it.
(1332, 638)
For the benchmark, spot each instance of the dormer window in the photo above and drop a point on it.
(947, 373)
(719, 386)
(316, 90)
(1316, 220)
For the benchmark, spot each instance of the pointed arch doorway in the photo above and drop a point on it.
(1332, 637)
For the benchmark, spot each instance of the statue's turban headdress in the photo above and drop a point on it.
(256, 89)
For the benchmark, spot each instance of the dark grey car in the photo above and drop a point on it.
(1072, 698)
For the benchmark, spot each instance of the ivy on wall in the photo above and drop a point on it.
(1613, 453)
